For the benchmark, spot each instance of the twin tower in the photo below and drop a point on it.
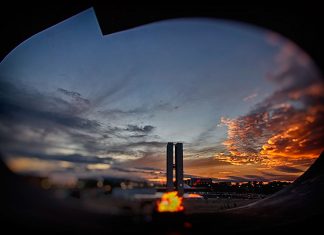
(178, 166)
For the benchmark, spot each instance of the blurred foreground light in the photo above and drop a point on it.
(100, 184)
(45, 184)
(194, 195)
(107, 188)
(187, 225)
(170, 202)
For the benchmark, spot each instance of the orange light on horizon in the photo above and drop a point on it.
(170, 202)
(194, 195)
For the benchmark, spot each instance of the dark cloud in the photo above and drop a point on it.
(237, 178)
(129, 131)
(30, 106)
(268, 173)
(69, 93)
(288, 169)
(31, 114)
(80, 102)
(272, 176)
(75, 158)
(37, 122)
(247, 178)
(255, 178)
(146, 170)
(303, 162)
(116, 113)
(140, 129)
(137, 136)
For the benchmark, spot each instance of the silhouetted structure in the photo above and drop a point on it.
(178, 167)
(169, 184)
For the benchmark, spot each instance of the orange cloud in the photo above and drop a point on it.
(286, 130)
(297, 139)
(276, 136)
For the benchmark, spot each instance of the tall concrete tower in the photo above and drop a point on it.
(178, 168)
(169, 167)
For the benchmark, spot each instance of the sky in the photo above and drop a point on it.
(246, 102)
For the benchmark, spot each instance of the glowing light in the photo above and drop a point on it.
(45, 184)
(194, 195)
(98, 166)
(170, 202)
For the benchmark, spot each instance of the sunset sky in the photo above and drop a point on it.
(246, 102)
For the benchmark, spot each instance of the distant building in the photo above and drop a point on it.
(199, 182)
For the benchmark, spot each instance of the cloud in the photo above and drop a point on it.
(31, 106)
(288, 169)
(247, 178)
(255, 178)
(129, 131)
(287, 51)
(144, 170)
(81, 103)
(273, 38)
(250, 97)
(41, 122)
(119, 87)
(148, 144)
(151, 165)
(205, 140)
(140, 129)
(198, 149)
(145, 110)
(288, 125)
(238, 160)
(284, 177)
(237, 178)
(135, 150)
(143, 145)
(117, 113)
(205, 166)
(137, 136)
(204, 162)
(69, 93)
(75, 158)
